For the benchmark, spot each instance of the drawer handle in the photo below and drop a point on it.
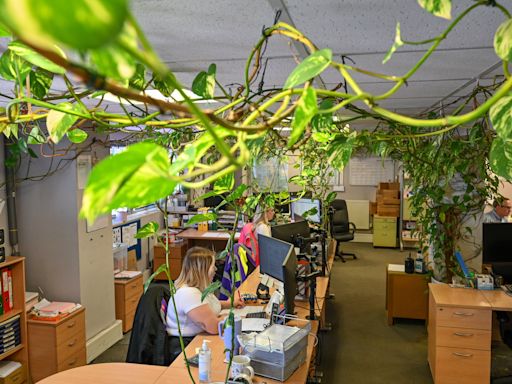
(463, 313)
(463, 334)
(71, 325)
(72, 362)
(15, 379)
(460, 354)
(134, 285)
(72, 343)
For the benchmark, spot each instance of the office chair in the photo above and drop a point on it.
(149, 341)
(341, 228)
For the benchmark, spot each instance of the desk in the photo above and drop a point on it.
(125, 373)
(459, 332)
(208, 239)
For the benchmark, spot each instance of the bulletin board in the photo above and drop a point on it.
(370, 171)
(125, 233)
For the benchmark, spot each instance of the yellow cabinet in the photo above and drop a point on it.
(384, 231)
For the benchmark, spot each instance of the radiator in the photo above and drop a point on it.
(359, 213)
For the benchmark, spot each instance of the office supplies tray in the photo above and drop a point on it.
(279, 349)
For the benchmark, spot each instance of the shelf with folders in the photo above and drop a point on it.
(179, 219)
(409, 230)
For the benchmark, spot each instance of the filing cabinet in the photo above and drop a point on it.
(56, 346)
(176, 254)
(128, 293)
(459, 336)
(384, 231)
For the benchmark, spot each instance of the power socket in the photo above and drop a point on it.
(2, 236)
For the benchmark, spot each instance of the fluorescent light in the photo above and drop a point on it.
(156, 94)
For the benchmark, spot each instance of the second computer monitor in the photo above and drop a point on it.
(278, 260)
(291, 231)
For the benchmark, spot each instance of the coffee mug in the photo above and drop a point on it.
(243, 378)
(241, 365)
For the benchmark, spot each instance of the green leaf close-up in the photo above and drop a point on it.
(113, 62)
(503, 41)
(441, 8)
(201, 218)
(84, 25)
(35, 58)
(312, 66)
(150, 229)
(58, 123)
(137, 176)
(210, 289)
(77, 135)
(500, 157)
(501, 117)
(224, 184)
(40, 83)
(306, 109)
(204, 83)
(11, 65)
(35, 136)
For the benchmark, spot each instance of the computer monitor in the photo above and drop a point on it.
(288, 232)
(278, 260)
(298, 207)
(282, 208)
(496, 248)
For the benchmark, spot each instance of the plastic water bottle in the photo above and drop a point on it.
(205, 363)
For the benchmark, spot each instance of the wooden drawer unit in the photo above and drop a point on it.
(459, 335)
(56, 346)
(176, 255)
(128, 293)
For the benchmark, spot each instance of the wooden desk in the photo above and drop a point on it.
(406, 295)
(208, 239)
(108, 373)
(459, 332)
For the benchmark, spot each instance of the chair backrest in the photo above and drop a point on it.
(148, 341)
(244, 267)
(339, 217)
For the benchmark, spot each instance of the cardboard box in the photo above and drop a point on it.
(390, 193)
(390, 201)
(387, 210)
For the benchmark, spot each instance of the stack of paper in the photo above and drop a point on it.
(31, 299)
(54, 310)
(127, 274)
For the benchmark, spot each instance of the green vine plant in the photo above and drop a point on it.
(111, 57)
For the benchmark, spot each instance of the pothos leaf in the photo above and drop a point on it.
(210, 289)
(40, 83)
(80, 24)
(77, 136)
(58, 123)
(306, 109)
(441, 8)
(204, 83)
(35, 136)
(160, 269)
(225, 183)
(312, 66)
(396, 44)
(113, 61)
(134, 177)
(501, 117)
(35, 58)
(150, 229)
(200, 218)
(503, 41)
(500, 158)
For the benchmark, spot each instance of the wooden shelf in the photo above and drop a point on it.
(12, 351)
(10, 314)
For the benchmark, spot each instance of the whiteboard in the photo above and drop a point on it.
(370, 171)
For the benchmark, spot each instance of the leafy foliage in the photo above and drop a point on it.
(312, 66)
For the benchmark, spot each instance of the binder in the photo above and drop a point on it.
(5, 289)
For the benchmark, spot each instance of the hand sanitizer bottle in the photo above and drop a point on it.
(205, 363)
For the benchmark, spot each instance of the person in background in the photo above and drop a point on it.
(260, 225)
(195, 316)
(501, 211)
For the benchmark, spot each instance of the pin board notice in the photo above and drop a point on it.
(370, 171)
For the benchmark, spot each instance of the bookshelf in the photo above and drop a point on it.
(17, 266)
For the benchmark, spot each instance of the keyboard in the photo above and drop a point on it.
(256, 315)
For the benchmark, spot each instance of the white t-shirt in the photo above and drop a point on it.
(188, 298)
(263, 229)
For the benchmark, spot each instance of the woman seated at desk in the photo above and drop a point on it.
(260, 225)
(195, 316)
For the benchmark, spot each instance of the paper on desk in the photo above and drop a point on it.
(396, 268)
(242, 312)
(254, 324)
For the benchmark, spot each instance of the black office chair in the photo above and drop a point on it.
(341, 228)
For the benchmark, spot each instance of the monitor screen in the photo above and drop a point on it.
(278, 260)
(288, 232)
(302, 205)
(273, 253)
(497, 243)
